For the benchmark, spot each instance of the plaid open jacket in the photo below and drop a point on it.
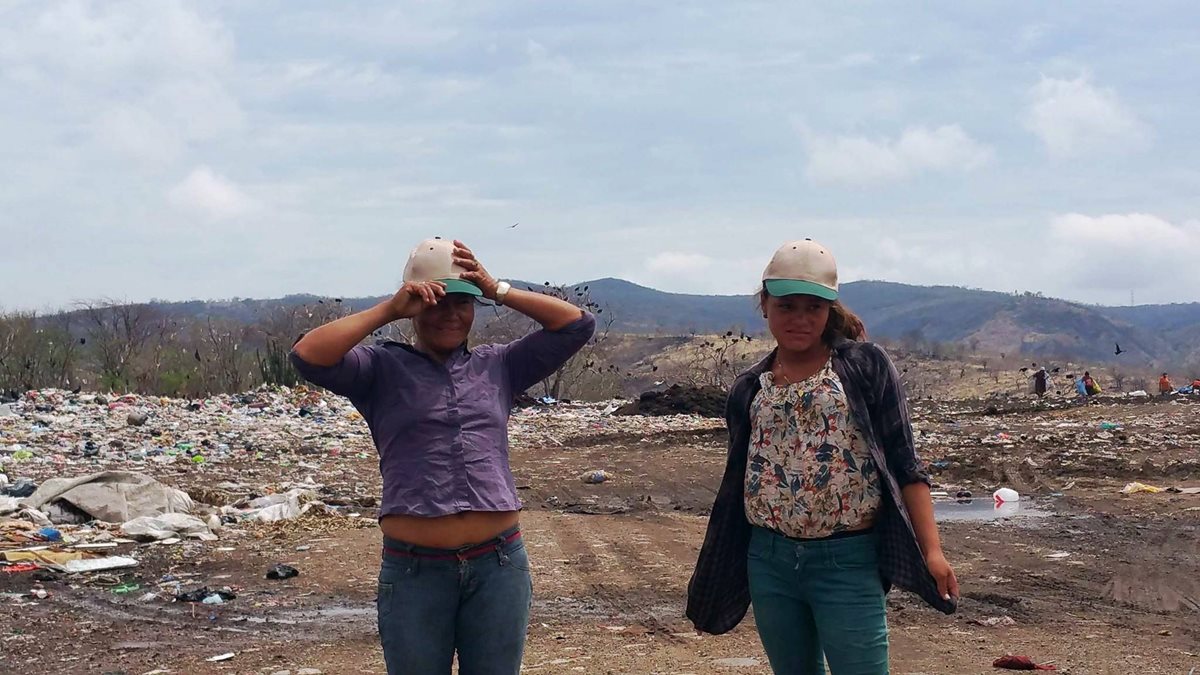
(719, 591)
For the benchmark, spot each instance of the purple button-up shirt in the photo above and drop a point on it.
(442, 429)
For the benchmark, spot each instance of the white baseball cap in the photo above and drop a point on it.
(802, 268)
(433, 260)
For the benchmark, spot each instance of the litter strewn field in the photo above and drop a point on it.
(157, 528)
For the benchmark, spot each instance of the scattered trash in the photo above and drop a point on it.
(282, 572)
(21, 488)
(167, 526)
(1135, 488)
(115, 562)
(595, 476)
(19, 567)
(203, 593)
(1058, 555)
(111, 496)
(45, 558)
(963, 496)
(1109, 426)
(39, 593)
(214, 599)
(126, 588)
(50, 534)
(995, 621)
(220, 657)
(1011, 662)
(137, 419)
(1004, 495)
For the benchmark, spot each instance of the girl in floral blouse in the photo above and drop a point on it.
(824, 504)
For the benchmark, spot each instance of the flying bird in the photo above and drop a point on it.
(514, 226)
(1119, 350)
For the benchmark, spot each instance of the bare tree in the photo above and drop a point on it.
(587, 374)
(1119, 377)
(119, 333)
(36, 352)
(718, 360)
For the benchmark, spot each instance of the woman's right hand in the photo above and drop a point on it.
(414, 297)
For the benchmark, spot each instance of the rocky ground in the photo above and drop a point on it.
(1091, 579)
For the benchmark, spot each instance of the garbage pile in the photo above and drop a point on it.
(564, 423)
(84, 477)
(679, 400)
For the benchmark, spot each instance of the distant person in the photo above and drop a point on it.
(811, 524)
(455, 573)
(1164, 385)
(1041, 380)
(1081, 387)
(1090, 384)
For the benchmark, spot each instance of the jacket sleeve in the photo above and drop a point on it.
(718, 594)
(893, 424)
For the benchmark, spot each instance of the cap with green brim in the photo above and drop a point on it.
(782, 287)
(461, 286)
(802, 267)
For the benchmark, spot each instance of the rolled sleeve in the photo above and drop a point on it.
(895, 426)
(350, 377)
(536, 356)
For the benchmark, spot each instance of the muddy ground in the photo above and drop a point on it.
(1104, 583)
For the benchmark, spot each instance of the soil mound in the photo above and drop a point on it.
(678, 400)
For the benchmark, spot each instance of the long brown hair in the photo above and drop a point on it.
(843, 323)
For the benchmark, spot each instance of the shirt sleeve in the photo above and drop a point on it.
(895, 427)
(536, 356)
(351, 377)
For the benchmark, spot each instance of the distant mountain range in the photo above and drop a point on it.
(1149, 335)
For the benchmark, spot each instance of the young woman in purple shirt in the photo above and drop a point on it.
(455, 574)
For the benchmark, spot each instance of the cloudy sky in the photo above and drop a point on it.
(215, 149)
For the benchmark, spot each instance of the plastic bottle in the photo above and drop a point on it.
(1004, 495)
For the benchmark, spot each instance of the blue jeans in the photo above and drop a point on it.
(819, 596)
(431, 608)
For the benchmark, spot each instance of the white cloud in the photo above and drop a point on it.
(857, 59)
(1124, 251)
(211, 195)
(675, 262)
(146, 78)
(1074, 117)
(857, 159)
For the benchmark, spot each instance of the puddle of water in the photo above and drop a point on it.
(986, 509)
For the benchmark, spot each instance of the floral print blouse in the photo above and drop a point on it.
(810, 473)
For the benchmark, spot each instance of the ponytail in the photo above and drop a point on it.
(843, 323)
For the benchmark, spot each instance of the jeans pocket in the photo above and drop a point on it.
(383, 599)
(759, 546)
(854, 554)
(518, 557)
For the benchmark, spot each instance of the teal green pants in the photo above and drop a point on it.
(819, 597)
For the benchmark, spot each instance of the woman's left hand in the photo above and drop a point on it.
(476, 274)
(943, 574)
